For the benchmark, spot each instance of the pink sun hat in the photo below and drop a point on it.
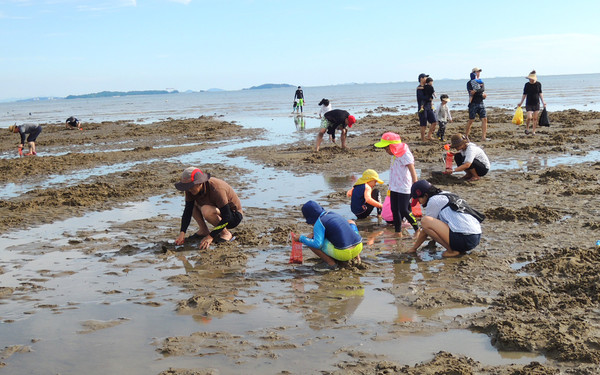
(393, 140)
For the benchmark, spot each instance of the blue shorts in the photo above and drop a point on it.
(427, 116)
(463, 242)
(477, 109)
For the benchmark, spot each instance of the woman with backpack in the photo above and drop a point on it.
(450, 221)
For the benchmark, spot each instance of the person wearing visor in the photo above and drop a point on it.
(333, 239)
(402, 175)
(208, 199)
(456, 231)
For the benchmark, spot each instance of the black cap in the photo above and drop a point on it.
(422, 75)
(419, 188)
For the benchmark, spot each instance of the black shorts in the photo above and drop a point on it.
(463, 242)
(479, 167)
(532, 108)
(34, 134)
(235, 220)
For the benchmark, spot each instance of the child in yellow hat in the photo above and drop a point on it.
(364, 196)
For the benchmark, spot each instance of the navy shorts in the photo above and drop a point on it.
(427, 116)
(463, 242)
(477, 109)
(34, 134)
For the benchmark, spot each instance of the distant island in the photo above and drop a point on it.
(270, 86)
(110, 94)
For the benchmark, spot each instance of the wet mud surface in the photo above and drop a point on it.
(532, 285)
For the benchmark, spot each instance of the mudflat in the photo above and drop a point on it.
(531, 286)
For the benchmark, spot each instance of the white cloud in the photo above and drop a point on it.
(184, 2)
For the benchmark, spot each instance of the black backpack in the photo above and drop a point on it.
(458, 204)
(544, 121)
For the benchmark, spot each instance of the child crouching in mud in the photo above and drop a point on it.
(364, 197)
(334, 238)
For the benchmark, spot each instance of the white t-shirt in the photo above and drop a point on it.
(324, 109)
(473, 152)
(457, 221)
(400, 179)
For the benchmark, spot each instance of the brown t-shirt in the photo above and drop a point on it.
(216, 193)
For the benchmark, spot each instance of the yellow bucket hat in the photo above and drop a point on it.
(367, 176)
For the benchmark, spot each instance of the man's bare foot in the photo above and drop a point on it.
(450, 253)
(474, 178)
(226, 235)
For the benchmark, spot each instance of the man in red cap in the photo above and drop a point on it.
(333, 120)
(208, 200)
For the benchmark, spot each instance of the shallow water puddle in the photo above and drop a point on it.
(536, 163)
(108, 287)
(59, 233)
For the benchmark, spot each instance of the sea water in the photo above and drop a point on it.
(561, 92)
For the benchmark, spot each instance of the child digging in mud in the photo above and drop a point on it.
(364, 197)
(333, 239)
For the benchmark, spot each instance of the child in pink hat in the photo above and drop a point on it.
(402, 175)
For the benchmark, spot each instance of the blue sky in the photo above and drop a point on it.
(62, 47)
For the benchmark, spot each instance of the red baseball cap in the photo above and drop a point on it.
(351, 121)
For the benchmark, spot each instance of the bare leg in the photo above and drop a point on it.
(213, 215)
(329, 260)
(423, 128)
(468, 174)
(529, 117)
(202, 228)
(483, 129)
(474, 176)
(468, 129)
(535, 120)
(437, 230)
(343, 137)
(431, 129)
(320, 138)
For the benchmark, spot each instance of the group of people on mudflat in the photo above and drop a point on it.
(449, 220)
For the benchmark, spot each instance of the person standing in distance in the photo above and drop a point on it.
(425, 110)
(533, 92)
(476, 106)
(299, 95)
